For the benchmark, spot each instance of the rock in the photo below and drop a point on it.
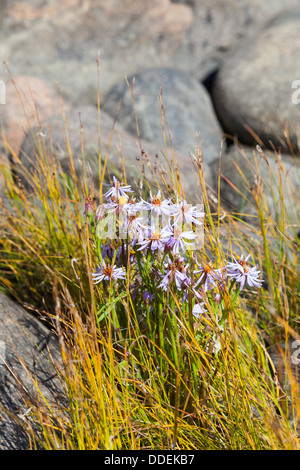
(23, 338)
(194, 36)
(235, 185)
(285, 357)
(186, 104)
(124, 149)
(4, 169)
(28, 99)
(218, 27)
(129, 35)
(254, 88)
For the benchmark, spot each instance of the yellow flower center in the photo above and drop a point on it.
(155, 236)
(122, 200)
(108, 271)
(132, 218)
(243, 263)
(177, 232)
(156, 201)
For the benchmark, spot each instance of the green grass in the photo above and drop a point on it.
(136, 378)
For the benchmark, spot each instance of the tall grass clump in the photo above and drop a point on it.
(163, 310)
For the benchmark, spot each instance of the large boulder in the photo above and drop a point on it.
(240, 170)
(219, 26)
(27, 348)
(187, 107)
(28, 100)
(70, 33)
(285, 357)
(123, 149)
(194, 35)
(253, 92)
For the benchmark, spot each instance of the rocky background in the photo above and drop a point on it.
(226, 68)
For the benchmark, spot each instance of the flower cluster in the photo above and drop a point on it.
(157, 224)
(154, 233)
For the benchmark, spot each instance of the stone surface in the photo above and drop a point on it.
(28, 100)
(123, 149)
(187, 109)
(235, 185)
(128, 34)
(254, 87)
(4, 168)
(60, 39)
(23, 338)
(219, 26)
(285, 357)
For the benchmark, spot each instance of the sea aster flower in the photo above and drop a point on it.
(117, 190)
(108, 251)
(188, 287)
(132, 207)
(107, 272)
(240, 272)
(209, 277)
(185, 213)
(116, 205)
(135, 226)
(155, 238)
(199, 309)
(178, 240)
(157, 205)
(175, 271)
(169, 244)
(148, 297)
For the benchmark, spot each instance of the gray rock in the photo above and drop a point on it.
(285, 357)
(186, 104)
(23, 338)
(253, 90)
(28, 101)
(240, 168)
(124, 149)
(219, 26)
(5, 167)
(130, 35)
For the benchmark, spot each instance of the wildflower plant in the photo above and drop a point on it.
(148, 259)
(162, 335)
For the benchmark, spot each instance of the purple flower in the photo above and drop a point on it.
(108, 251)
(181, 238)
(170, 276)
(175, 271)
(185, 213)
(155, 238)
(199, 309)
(132, 207)
(169, 244)
(107, 272)
(188, 287)
(148, 298)
(208, 277)
(240, 272)
(134, 225)
(157, 205)
(117, 190)
(116, 205)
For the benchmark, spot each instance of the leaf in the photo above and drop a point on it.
(107, 308)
